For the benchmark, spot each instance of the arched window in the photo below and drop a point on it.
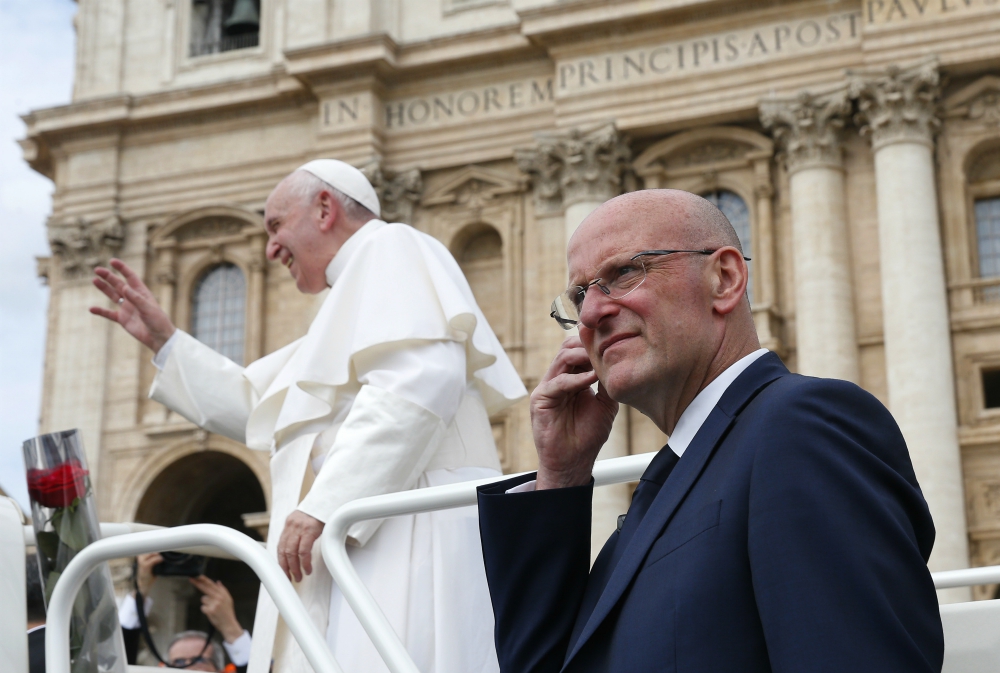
(735, 209)
(218, 310)
(481, 259)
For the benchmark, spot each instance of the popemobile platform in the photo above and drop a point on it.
(972, 629)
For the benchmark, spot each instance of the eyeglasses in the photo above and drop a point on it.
(618, 278)
(187, 663)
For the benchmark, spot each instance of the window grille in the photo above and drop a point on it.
(736, 211)
(988, 236)
(218, 311)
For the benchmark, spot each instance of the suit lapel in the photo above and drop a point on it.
(762, 372)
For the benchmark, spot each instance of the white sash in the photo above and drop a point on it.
(289, 467)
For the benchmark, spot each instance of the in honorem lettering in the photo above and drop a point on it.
(452, 107)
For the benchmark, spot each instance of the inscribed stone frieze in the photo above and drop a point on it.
(676, 59)
(436, 109)
(899, 12)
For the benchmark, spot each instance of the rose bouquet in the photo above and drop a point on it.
(65, 521)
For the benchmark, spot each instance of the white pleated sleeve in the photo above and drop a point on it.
(205, 387)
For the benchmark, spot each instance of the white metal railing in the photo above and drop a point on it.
(202, 537)
(116, 529)
(334, 540)
(228, 540)
(967, 577)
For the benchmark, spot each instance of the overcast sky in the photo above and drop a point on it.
(36, 70)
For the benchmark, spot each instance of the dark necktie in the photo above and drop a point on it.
(649, 486)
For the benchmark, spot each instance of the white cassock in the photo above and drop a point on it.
(391, 389)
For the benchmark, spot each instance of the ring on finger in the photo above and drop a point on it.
(121, 300)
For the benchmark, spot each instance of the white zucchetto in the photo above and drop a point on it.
(347, 179)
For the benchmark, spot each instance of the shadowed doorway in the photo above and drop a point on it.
(204, 487)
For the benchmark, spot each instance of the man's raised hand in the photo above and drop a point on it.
(138, 311)
(569, 421)
(217, 604)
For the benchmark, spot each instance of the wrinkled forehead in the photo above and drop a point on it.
(615, 234)
(189, 647)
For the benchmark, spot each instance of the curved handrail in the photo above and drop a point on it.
(966, 577)
(242, 547)
(334, 539)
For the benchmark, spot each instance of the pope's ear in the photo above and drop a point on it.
(328, 210)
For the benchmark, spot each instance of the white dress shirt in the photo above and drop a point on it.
(694, 416)
(128, 617)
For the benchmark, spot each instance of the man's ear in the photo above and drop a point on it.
(729, 279)
(328, 210)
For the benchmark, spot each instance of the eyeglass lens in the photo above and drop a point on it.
(616, 279)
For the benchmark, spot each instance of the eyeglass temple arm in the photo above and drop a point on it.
(704, 251)
(561, 320)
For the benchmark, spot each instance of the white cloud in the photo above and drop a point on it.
(37, 52)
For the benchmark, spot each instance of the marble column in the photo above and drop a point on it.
(581, 169)
(807, 128)
(897, 110)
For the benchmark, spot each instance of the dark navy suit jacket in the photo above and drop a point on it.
(790, 536)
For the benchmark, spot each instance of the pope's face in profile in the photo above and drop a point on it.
(294, 238)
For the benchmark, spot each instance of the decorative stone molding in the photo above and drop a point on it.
(977, 102)
(807, 127)
(81, 244)
(578, 165)
(897, 104)
(398, 193)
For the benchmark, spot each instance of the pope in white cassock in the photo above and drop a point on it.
(391, 389)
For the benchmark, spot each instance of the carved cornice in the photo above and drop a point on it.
(80, 245)
(807, 127)
(897, 104)
(397, 193)
(577, 165)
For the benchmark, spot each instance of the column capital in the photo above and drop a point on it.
(897, 104)
(398, 193)
(577, 165)
(81, 244)
(807, 127)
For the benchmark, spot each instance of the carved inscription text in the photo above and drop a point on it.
(718, 51)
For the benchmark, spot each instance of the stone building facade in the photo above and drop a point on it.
(855, 145)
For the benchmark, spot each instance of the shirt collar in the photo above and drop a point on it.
(339, 261)
(701, 406)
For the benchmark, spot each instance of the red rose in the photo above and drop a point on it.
(59, 486)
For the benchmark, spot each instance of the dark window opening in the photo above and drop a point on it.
(224, 25)
(991, 388)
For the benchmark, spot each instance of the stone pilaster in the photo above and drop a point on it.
(897, 110)
(398, 193)
(807, 128)
(76, 366)
(578, 170)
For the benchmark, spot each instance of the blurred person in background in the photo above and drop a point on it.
(216, 605)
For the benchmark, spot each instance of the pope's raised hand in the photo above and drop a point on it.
(569, 421)
(138, 311)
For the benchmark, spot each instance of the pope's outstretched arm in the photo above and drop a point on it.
(201, 385)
